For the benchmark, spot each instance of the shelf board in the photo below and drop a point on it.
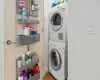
(26, 40)
(30, 21)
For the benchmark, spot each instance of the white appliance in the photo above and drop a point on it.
(58, 23)
(58, 60)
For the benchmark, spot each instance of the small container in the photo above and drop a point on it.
(22, 31)
(20, 77)
(26, 30)
(36, 69)
(19, 62)
(23, 13)
(23, 59)
(35, 59)
(54, 4)
(25, 78)
(33, 32)
(32, 29)
(28, 59)
(24, 73)
(22, 3)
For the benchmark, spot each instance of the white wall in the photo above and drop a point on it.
(84, 46)
(1, 39)
(47, 6)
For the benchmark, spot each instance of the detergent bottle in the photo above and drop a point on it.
(28, 58)
(35, 69)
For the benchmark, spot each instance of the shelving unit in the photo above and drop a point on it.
(25, 67)
(30, 21)
(30, 39)
(26, 40)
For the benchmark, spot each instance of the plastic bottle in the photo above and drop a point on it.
(23, 59)
(26, 30)
(53, 4)
(24, 73)
(22, 31)
(23, 13)
(35, 69)
(19, 62)
(28, 75)
(20, 77)
(28, 59)
(35, 59)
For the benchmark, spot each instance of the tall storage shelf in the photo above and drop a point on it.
(25, 67)
(21, 40)
(26, 40)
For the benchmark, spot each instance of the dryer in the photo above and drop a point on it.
(58, 23)
(58, 60)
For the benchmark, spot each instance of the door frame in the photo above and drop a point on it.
(2, 38)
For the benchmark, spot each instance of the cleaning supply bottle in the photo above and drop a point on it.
(22, 31)
(31, 73)
(27, 30)
(33, 32)
(23, 14)
(28, 58)
(35, 59)
(23, 59)
(20, 77)
(35, 69)
(28, 75)
(24, 73)
(19, 63)
(54, 4)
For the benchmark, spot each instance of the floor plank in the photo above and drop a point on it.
(48, 76)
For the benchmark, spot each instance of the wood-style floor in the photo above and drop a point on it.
(48, 76)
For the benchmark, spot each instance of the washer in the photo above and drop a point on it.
(58, 60)
(58, 23)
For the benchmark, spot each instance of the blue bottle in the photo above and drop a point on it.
(53, 4)
(23, 13)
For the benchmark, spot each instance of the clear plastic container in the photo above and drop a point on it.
(26, 30)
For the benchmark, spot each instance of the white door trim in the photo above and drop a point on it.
(2, 39)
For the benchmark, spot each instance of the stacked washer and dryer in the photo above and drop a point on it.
(58, 41)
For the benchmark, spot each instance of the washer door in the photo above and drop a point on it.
(56, 21)
(55, 59)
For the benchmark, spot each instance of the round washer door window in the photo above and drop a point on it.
(55, 59)
(56, 21)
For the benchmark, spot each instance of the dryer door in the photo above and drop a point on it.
(55, 59)
(56, 21)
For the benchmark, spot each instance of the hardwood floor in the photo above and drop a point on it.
(48, 76)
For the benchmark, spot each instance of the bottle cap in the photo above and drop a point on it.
(23, 55)
(28, 53)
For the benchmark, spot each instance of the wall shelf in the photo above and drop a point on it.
(26, 66)
(26, 40)
(29, 22)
